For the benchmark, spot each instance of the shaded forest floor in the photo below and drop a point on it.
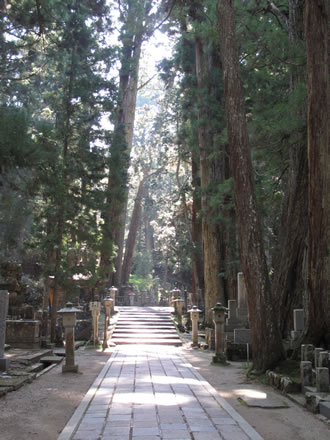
(40, 410)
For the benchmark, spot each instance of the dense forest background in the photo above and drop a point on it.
(215, 160)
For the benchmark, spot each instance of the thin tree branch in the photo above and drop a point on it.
(147, 82)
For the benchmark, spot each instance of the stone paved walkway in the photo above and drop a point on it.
(152, 392)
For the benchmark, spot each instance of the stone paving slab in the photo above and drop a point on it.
(152, 392)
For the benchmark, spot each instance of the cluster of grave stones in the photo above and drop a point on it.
(237, 331)
(314, 367)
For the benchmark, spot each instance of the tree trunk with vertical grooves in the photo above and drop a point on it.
(134, 226)
(316, 19)
(60, 219)
(212, 240)
(266, 341)
(289, 282)
(196, 231)
(114, 215)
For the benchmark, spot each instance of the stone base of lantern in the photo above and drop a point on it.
(70, 369)
(220, 358)
(4, 364)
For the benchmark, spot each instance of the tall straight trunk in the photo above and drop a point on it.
(266, 341)
(316, 19)
(134, 226)
(114, 215)
(212, 240)
(61, 213)
(196, 231)
(289, 282)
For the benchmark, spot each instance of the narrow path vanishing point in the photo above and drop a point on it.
(149, 392)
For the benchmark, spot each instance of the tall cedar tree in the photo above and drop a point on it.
(317, 32)
(266, 339)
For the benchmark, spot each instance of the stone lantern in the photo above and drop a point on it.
(179, 306)
(113, 292)
(194, 315)
(69, 321)
(219, 321)
(4, 298)
(108, 306)
(95, 308)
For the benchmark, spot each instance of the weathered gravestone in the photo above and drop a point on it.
(4, 296)
(242, 310)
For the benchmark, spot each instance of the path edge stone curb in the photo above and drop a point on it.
(75, 419)
(244, 425)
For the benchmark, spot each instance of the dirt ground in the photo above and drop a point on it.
(41, 409)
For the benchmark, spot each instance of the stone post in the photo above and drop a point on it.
(113, 292)
(179, 306)
(324, 359)
(219, 322)
(317, 352)
(131, 297)
(69, 322)
(306, 374)
(108, 305)
(4, 298)
(307, 352)
(176, 293)
(194, 315)
(322, 380)
(242, 298)
(95, 308)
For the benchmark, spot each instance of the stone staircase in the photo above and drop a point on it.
(145, 325)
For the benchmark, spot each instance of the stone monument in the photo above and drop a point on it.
(4, 297)
(95, 308)
(242, 310)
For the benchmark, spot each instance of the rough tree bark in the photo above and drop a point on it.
(266, 340)
(316, 21)
(212, 237)
(289, 282)
(134, 226)
(196, 230)
(114, 214)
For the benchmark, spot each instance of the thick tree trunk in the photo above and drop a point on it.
(266, 341)
(114, 215)
(196, 231)
(316, 18)
(62, 197)
(289, 284)
(134, 226)
(212, 239)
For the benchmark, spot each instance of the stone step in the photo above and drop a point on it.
(34, 357)
(145, 335)
(145, 326)
(146, 330)
(176, 342)
(51, 360)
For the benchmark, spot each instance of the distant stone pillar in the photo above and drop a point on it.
(4, 297)
(242, 310)
(179, 306)
(306, 374)
(322, 380)
(95, 308)
(194, 315)
(219, 322)
(113, 292)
